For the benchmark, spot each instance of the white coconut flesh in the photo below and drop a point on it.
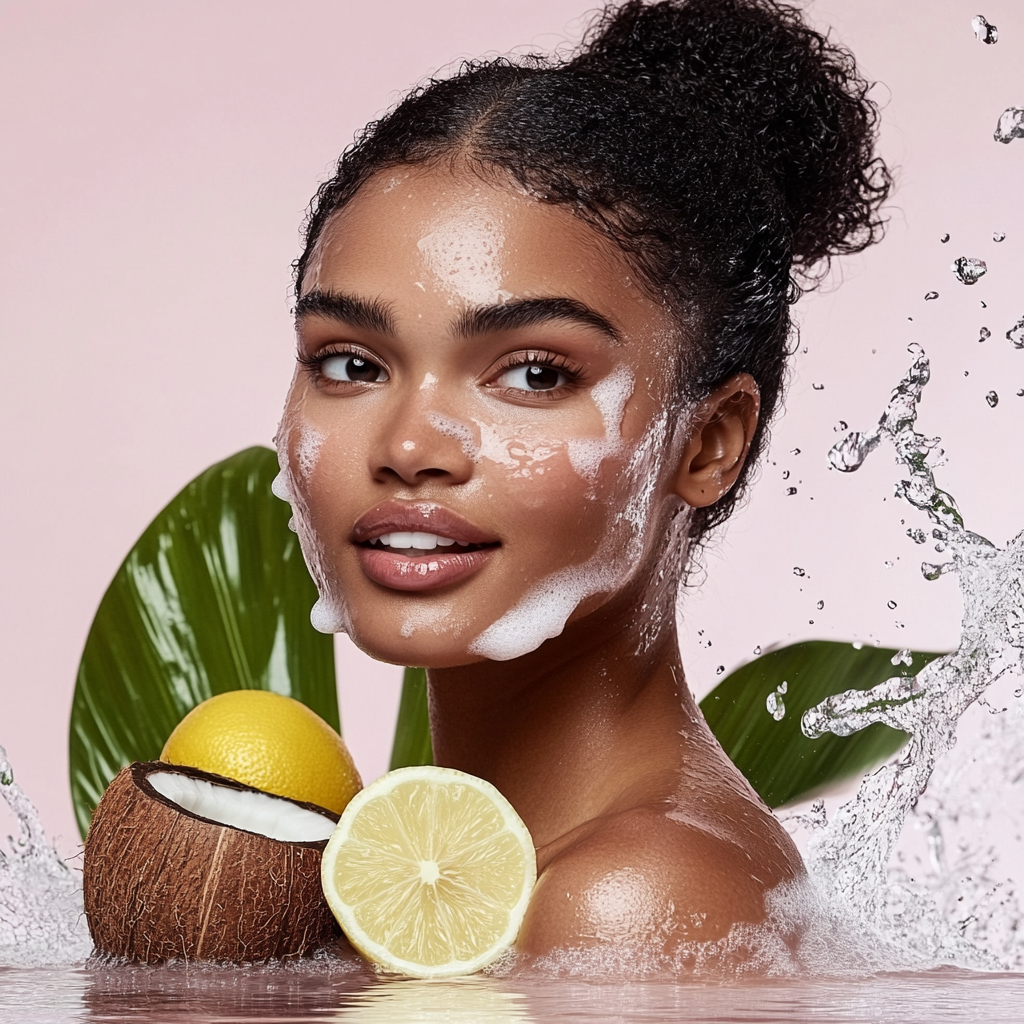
(271, 816)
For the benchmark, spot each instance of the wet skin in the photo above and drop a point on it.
(453, 336)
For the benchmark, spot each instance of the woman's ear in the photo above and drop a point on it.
(721, 429)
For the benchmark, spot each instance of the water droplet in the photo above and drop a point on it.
(940, 547)
(968, 270)
(890, 605)
(889, 563)
(918, 536)
(928, 296)
(785, 474)
(903, 657)
(857, 645)
(1010, 126)
(818, 387)
(983, 31)
(757, 649)
(783, 687)
(931, 571)
(820, 605)
(998, 236)
(841, 425)
(945, 238)
(1019, 691)
(6, 777)
(776, 706)
(984, 334)
(1020, 394)
(719, 670)
(992, 398)
(967, 373)
(797, 571)
(790, 491)
(849, 454)
(1015, 335)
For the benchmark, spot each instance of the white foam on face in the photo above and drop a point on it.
(307, 451)
(329, 614)
(262, 813)
(462, 433)
(610, 396)
(464, 254)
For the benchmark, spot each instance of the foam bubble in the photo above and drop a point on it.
(307, 451)
(610, 396)
(465, 257)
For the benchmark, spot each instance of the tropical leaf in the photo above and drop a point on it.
(412, 730)
(214, 596)
(778, 760)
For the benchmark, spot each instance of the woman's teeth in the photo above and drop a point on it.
(412, 543)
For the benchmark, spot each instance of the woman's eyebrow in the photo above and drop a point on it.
(510, 316)
(370, 314)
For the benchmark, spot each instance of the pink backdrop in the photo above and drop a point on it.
(158, 158)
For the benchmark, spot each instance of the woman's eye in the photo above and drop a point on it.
(353, 368)
(533, 377)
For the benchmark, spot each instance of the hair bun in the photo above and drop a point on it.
(764, 80)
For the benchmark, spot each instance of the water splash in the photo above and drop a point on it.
(774, 704)
(850, 856)
(1015, 335)
(1010, 125)
(968, 270)
(42, 919)
(984, 31)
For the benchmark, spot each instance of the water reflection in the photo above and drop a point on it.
(474, 1000)
(339, 992)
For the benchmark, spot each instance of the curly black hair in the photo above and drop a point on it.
(725, 146)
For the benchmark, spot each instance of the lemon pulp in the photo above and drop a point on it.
(429, 872)
(269, 741)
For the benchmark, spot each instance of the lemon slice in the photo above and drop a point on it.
(429, 872)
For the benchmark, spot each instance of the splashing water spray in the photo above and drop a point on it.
(41, 914)
(848, 857)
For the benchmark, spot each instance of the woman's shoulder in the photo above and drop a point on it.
(657, 877)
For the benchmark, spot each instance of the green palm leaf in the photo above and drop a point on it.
(214, 596)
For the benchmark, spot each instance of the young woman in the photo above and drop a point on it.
(542, 317)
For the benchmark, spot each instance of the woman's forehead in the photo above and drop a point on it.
(469, 241)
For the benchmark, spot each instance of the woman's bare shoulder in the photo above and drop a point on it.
(655, 878)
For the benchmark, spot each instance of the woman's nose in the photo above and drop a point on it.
(413, 447)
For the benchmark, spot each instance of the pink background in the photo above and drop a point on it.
(158, 159)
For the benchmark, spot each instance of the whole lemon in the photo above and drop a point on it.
(268, 741)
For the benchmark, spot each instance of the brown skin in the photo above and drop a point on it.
(646, 834)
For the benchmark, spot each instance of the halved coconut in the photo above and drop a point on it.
(180, 863)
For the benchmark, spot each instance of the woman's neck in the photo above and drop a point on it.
(583, 727)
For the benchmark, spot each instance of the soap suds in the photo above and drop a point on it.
(610, 396)
(465, 257)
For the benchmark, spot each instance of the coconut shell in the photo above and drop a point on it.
(162, 883)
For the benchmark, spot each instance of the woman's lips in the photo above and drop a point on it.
(409, 525)
(421, 572)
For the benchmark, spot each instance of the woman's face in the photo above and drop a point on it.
(476, 438)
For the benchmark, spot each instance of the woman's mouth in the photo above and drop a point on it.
(418, 559)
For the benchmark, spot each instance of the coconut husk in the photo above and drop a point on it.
(162, 883)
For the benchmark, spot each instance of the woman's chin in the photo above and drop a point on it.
(422, 649)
